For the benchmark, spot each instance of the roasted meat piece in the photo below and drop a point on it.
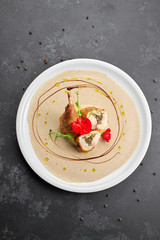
(68, 117)
(87, 142)
(97, 116)
(99, 121)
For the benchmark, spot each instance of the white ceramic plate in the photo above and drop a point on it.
(127, 83)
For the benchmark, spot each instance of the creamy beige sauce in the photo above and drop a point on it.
(62, 158)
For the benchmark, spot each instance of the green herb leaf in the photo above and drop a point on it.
(79, 113)
(77, 105)
(58, 134)
(68, 136)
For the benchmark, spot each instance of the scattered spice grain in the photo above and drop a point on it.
(45, 60)
(119, 219)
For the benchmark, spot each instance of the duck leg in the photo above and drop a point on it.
(68, 117)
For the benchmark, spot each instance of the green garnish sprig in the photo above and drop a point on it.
(68, 136)
(77, 105)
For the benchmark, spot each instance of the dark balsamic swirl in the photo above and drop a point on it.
(84, 85)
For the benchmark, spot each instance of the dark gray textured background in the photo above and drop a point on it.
(128, 36)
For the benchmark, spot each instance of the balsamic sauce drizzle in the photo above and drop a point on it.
(84, 85)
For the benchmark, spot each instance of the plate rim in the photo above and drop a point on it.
(72, 187)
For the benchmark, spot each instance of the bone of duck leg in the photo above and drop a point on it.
(68, 117)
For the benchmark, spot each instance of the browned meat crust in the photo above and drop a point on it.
(68, 117)
(86, 110)
(79, 145)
